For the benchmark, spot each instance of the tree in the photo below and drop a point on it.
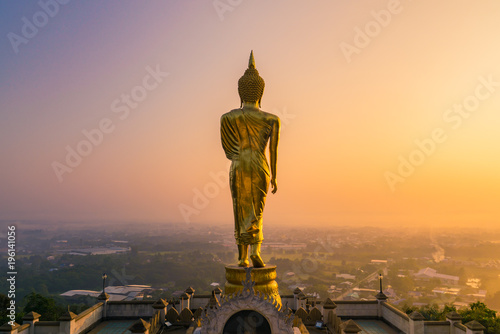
(476, 311)
(429, 312)
(494, 301)
(481, 313)
(4, 303)
(45, 306)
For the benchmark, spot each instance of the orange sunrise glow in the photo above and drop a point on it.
(390, 111)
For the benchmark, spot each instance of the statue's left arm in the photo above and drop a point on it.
(273, 152)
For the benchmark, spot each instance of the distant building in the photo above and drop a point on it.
(74, 293)
(480, 295)
(346, 276)
(97, 251)
(390, 293)
(283, 245)
(116, 293)
(415, 294)
(474, 282)
(429, 273)
(446, 291)
(373, 291)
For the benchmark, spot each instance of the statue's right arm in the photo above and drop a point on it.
(273, 152)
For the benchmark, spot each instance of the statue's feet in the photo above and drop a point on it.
(243, 263)
(243, 256)
(257, 261)
(255, 256)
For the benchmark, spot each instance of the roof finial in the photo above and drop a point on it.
(251, 61)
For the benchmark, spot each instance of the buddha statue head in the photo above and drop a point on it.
(251, 85)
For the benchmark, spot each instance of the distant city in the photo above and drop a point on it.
(415, 267)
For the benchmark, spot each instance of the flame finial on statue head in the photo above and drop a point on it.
(251, 85)
(251, 61)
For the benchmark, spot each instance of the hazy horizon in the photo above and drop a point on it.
(229, 225)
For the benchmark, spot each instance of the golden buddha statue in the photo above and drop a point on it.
(245, 133)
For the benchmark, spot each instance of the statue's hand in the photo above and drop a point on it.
(274, 185)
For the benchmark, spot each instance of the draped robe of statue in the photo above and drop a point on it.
(245, 133)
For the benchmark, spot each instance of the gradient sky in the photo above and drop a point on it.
(354, 95)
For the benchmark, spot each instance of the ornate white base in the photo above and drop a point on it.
(239, 307)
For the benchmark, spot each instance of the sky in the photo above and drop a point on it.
(390, 110)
